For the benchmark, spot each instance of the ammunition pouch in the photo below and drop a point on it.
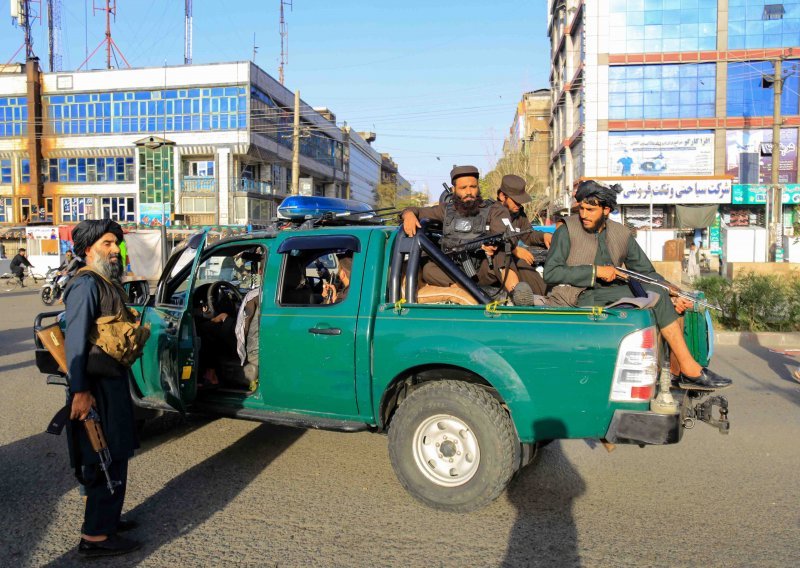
(120, 336)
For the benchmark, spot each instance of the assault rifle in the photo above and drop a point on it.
(461, 252)
(98, 441)
(671, 288)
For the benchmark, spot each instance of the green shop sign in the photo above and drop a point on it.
(756, 194)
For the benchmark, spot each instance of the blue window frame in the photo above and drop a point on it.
(13, 116)
(661, 91)
(25, 170)
(173, 110)
(5, 171)
(116, 169)
(747, 96)
(653, 26)
(747, 28)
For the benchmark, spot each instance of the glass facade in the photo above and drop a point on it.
(746, 96)
(13, 116)
(661, 91)
(155, 175)
(277, 123)
(652, 26)
(751, 27)
(116, 169)
(176, 110)
(5, 171)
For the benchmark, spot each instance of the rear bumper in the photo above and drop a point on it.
(642, 427)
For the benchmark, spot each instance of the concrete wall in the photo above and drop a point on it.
(737, 269)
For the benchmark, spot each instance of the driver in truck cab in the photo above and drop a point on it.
(581, 266)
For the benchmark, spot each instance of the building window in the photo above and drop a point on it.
(5, 171)
(118, 208)
(174, 110)
(48, 208)
(117, 169)
(6, 210)
(199, 168)
(13, 116)
(25, 209)
(74, 209)
(661, 91)
(747, 97)
(755, 24)
(25, 170)
(653, 26)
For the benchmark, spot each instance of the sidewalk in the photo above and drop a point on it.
(763, 338)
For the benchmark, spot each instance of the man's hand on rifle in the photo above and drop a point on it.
(524, 254)
(410, 223)
(681, 304)
(606, 273)
(82, 403)
(548, 238)
(489, 250)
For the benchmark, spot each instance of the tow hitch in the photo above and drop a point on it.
(704, 411)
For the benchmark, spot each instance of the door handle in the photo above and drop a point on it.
(325, 330)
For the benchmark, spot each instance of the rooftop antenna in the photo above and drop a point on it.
(187, 33)
(255, 47)
(24, 14)
(284, 31)
(111, 47)
(54, 33)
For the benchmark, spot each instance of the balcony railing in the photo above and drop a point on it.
(245, 185)
(194, 184)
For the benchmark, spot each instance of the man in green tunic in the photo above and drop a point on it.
(581, 267)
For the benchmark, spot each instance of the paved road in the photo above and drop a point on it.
(209, 492)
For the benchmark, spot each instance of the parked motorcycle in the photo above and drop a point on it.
(54, 288)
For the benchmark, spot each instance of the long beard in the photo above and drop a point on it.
(111, 270)
(467, 208)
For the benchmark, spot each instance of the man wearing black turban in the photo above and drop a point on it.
(580, 265)
(97, 380)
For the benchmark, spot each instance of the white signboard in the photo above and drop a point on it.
(672, 154)
(680, 191)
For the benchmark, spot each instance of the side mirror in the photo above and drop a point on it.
(138, 291)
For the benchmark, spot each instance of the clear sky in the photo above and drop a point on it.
(438, 81)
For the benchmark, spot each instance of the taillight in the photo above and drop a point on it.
(636, 370)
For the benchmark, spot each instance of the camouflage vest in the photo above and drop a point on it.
(117, 331)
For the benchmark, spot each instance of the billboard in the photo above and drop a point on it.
(674, 191)
(689, 153)
(155, 214)
(743, 159)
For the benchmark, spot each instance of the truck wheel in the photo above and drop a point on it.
(453, 446)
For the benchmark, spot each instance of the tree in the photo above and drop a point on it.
(517, 163)
(385, 195)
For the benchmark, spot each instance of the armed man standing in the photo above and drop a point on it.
(96, 318)
(465, 217)
(581, 265)
(513, 196)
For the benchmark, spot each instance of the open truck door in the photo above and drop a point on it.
(166, 374)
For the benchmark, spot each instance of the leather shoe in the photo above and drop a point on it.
(708, 380)
(125, 525)
(111, 546)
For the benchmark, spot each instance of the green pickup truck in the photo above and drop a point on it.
(332, 328)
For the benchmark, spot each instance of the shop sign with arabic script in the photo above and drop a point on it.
(673, 191)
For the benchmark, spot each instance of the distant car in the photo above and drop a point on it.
(657, 164)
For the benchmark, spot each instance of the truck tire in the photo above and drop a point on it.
(453, 446)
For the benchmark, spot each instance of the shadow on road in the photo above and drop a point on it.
(35, 475)
(544, 532)
(780, 364)
(201, 491)
(17, 340)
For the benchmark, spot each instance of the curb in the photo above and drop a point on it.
(763, 338)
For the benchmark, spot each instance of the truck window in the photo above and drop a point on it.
(316, 277)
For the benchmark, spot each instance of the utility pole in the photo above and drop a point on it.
(774, 212)
(296, 146)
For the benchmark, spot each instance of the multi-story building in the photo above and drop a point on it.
(529, 138)
(363, 164)
(212, 143)
(672, 100)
